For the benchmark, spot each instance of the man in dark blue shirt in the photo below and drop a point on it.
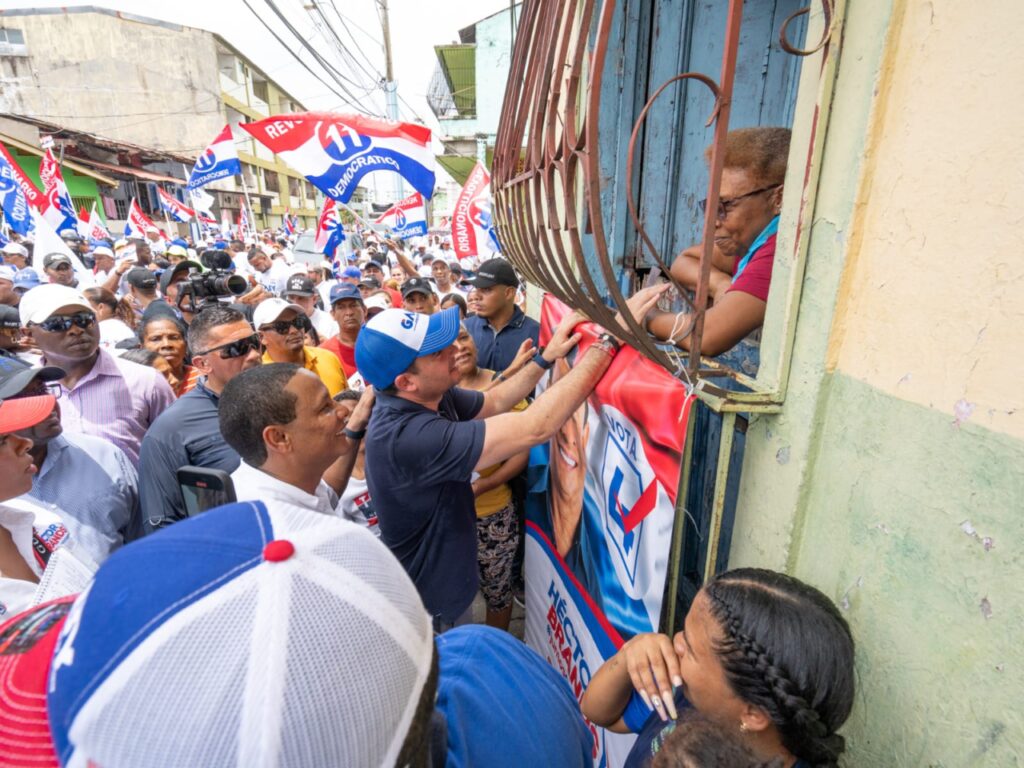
(499, 327)
(427, 437)
(223, 345)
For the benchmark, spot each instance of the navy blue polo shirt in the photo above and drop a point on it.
(496, 351)
(418, 468)
(187, 433)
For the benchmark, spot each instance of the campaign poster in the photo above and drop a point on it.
(599, 515)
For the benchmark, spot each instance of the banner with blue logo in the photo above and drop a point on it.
(218, 161)
(600, 510)
(12, 199)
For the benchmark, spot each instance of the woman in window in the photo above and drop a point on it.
(746, 221)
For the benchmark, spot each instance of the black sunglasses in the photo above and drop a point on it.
(724, 206)
(38, 388)
(283, 326)
(238, 348)
(62, 323)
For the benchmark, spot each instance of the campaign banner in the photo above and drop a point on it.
(15, 191)
(472, 226)
(329, 231)
(600, 510)
(335, 151)
(218, 161)
(137, 222)
(59, 210)
(406, 218)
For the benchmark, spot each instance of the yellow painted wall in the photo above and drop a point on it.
(932, 307)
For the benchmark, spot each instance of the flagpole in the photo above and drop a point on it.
(195, 211)
(360, 218)
(252, 215)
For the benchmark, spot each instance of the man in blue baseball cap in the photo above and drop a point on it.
(427, 437)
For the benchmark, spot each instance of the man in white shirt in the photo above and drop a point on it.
(291, 435)
(299, 289)
(271, 273)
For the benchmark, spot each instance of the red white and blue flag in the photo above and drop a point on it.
(96, 229)
(472, 226)
(219, 161)
(289, 224)
(137, 222)
(329, 234)
(334, 152)
(176, 209)
(243, 223)
(59, 211)
(407, 217)
(17, 194)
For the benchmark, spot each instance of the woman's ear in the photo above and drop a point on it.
(777, 199)
(754, 719)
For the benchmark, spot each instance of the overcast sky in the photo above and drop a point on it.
(416, 27)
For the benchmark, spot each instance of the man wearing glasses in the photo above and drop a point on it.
(223, 345)
(746, 221)
(89, 482)
(282, 328)
(101, 395)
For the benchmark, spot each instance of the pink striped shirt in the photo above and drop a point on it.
(117, 400)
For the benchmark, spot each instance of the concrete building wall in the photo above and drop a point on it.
(116, 78)
(893, 479)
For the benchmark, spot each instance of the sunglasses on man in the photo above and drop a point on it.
(233, 349)
(61, 323)
(281, 327)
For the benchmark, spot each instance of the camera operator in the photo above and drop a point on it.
(187, 289)
(168, 303)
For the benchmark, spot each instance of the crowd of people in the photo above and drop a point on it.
(373, 421)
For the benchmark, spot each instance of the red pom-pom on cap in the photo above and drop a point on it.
(278, 550)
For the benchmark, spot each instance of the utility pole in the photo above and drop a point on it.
(390, 86)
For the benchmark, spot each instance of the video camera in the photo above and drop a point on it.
(203, 289)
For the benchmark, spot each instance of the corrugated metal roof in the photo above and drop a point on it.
(458, 62)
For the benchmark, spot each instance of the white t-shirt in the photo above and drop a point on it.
(39, 534)
(113, 330)
(357, 506)
(275, 279)
(326, 326)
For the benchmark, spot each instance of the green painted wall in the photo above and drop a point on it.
(913, 526)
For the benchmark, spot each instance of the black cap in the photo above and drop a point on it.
(15, 375)
(369, 282)
(9, 319)
(175, 269)
(372, 263)
(494, 272)
(141, 278)
(416, 285)
(298, 285)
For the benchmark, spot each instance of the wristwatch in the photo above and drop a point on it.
(539, 360)
(608, 343)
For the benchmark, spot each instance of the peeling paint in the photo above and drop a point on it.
(782, 455)
(986, 608)
(987, 542)
(962, 411)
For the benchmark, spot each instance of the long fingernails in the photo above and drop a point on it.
(670, 705)
(658, 707)
(677, 681)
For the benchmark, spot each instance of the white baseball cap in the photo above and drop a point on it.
(268, 311)
(41, 302)
(15, 250)
(377, 301)
(102, 250)
(392, 339)
(255, 634)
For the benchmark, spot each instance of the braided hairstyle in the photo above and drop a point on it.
(786, 649)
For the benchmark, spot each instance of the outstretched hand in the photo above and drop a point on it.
(640, 303)
(563, 340)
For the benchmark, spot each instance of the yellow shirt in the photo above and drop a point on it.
(324, 364)
(500, 497)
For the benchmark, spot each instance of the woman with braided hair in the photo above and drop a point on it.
(761, 653)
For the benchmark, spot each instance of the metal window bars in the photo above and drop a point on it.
(547, 171)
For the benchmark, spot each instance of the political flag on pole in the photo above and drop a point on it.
(47, 242)
(243, 223)
(13, 198)
(407, 217)
(334, 152)
(96, 229)
(472, 226)
(219, 161)
(137, 222)
(329, 233)
(59, 211)
(289, 225)
(176, 209)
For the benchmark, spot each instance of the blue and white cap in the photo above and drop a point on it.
(254, 634)
(392, 339)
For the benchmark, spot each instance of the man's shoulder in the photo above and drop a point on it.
(475, 322)
(194, 405)
(323, 356)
